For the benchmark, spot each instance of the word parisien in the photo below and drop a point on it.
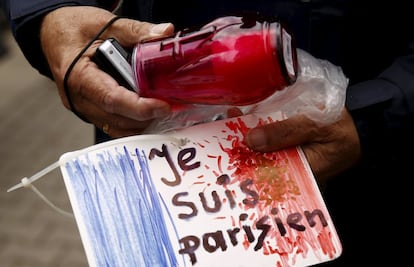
(217, 240)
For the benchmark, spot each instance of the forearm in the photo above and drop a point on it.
(383, 112)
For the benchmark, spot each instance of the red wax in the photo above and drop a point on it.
(227, 62)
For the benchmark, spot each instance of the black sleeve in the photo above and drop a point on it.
(383, 111)
(25, 18)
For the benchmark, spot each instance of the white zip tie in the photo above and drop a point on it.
(33, 178)
(27, 183)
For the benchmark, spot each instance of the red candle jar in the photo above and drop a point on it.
(229, 61)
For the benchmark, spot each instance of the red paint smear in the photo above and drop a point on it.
(219, 163)
(252, 216)
(233, 221)
(269, 171)
(201, 145)
(277, 179)
(246, 243)
(327, 246)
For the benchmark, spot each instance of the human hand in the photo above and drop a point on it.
(93, 93)
(329, 149)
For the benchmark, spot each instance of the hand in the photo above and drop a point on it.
(95, 94)
(329, 149)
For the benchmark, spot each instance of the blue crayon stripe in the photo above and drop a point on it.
(121, 209)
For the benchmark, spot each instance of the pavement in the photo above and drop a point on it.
(35, 129)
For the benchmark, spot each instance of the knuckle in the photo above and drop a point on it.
(139, 29)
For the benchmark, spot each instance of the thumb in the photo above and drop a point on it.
(278, 135)
(130, 32)
(161, 30)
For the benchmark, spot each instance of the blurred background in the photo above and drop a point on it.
(35, 130)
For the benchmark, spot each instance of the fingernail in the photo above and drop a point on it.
(159, 29)
(256, 139)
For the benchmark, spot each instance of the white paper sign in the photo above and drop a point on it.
(198, 197)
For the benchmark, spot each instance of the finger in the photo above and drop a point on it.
(120, 127)
(114, 125)
(99, 88)
(131, 105)
(118, 123)
(118, 133)
(281, 134)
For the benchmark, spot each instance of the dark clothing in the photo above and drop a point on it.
(367, 39)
